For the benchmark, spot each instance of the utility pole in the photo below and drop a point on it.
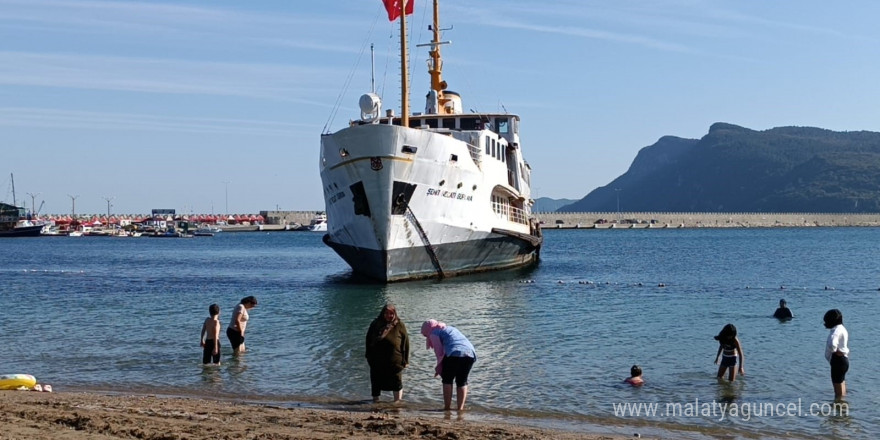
(617, 191)
(226, 185)
(108, 199)
(33, 203)
(73, 208)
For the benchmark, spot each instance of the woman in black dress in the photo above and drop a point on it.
(387, 353)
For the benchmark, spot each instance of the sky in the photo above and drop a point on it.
(218, 106)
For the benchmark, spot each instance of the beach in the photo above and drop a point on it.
(74, 416)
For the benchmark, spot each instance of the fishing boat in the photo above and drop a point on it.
(13, 223)
(428, 195)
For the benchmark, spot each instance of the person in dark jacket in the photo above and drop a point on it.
(387, 352)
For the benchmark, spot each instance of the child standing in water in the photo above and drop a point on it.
(210, 338)
(728, 349)
(837, 351)
(635, 378)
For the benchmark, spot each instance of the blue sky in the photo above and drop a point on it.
(200, 105)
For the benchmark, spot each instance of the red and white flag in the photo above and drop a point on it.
(393, 8)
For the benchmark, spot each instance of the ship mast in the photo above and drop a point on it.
(436, 67)
(404, 68)
(12, 179)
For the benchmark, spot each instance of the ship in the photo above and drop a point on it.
(428, 195)
(13, 222)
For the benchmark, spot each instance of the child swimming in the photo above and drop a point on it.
(635, 378)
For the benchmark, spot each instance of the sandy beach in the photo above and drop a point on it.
(74, 416)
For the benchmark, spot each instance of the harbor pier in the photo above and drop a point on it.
(658, 220)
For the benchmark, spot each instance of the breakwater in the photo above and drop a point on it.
(634, 220)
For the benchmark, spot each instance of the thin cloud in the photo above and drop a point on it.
(154, 75)
(658, 24)
(83, 120)
(160, 22)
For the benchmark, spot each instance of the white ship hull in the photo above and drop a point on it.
(399, 213)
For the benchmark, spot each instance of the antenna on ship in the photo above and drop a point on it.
(435, 65)
(372, 70)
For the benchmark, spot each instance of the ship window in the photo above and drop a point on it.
(468, 123)
(503, 154)
(431, 122)
(453, 158)
(494, 153)
(503, 125)
(448, 122)
(488, 150)
(415, 123)
(409, 149)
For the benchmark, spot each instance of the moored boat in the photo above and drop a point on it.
(431, 195)
(12, 225)
(318, 223)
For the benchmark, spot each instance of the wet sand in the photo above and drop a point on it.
(80, 416)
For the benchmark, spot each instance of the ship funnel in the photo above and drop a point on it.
(452, 103)
(370, 105)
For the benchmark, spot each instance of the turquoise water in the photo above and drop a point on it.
(124, 315)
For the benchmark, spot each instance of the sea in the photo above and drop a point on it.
(554, 341)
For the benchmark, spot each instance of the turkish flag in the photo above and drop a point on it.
(393, 8)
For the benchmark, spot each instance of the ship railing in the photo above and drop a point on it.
(510, 213)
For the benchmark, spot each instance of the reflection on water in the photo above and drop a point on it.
(105, 314)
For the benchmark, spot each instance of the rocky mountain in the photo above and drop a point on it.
(735, 169)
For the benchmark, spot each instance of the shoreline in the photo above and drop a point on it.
(90, 415)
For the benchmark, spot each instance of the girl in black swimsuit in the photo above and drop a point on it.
(728, 350)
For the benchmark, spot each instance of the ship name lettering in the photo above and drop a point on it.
(449, 194)
(338, 196)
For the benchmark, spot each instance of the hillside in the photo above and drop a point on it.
(735, 169)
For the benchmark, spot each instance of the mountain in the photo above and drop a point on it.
(546, 204)
(735, 169)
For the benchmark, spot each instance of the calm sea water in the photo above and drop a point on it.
(116, 314)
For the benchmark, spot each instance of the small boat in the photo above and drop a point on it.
(206, 230)
(318, 223)
(13, 223)
(170, 233)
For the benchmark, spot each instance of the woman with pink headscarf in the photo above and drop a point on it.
(455, 357)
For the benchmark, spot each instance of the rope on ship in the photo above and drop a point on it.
(430, 249)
